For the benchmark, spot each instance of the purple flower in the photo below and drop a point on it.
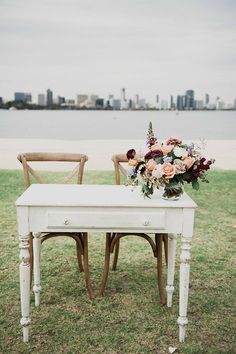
(131, 171)
(130, 154)
(152, 154)
(168, 159)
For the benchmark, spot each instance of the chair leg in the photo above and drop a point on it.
(31, 259)
(106, 265)
(79, 257)
(86, 266)
(159, 240)
(116, 255)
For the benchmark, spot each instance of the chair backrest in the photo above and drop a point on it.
(25, 158)
(118, 160)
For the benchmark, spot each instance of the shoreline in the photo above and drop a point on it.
(99, 152)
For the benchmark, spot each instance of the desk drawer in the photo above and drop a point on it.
(107, 220)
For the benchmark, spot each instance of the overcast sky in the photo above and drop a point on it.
(147, 46)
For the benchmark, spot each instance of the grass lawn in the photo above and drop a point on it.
(129, 318)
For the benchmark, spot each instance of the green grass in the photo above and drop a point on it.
(129, 318)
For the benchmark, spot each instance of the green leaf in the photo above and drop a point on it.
(195, 185)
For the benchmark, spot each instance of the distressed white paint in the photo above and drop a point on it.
(188, 220)
(83, 208)
(171, 268)
(24, 271)
(37, 254)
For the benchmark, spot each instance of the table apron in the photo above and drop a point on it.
(76, 219)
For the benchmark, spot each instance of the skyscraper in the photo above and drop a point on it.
(123, 98)
(41, 99)
(172, 106)
(49, 97)
(23, 97)
(207, 101)
(180, 102)
(19, 96)
(189, 104)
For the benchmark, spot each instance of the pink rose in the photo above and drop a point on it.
(168, 169)
(189, 161)
(179, 166)
(166, 149)
(157, 146)
(151, 165)
(173, 141)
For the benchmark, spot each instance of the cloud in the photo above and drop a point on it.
(87, 45)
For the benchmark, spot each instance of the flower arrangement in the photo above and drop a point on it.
(168, 164)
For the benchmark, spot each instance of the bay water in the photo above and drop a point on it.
(108, 125)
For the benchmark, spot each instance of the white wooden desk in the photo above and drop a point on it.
(104, 208)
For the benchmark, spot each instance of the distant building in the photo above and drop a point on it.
(116, 103)
(23, 97)
(124, 103)
(172, 105)
(81, 99)
(212, 106)
(41, 99)
(164, 105)
(157, 98)
(1, 101)
(123, 98)
(49, 97)
(235, 103)
(207, 101)
(99, 103)
(70, 102)
(91, 101)
(199, 104)
(180, 102)
(220, 105)
(142, 103)
(28, 97)
(19, 96)
(189, 103)
(60, 100)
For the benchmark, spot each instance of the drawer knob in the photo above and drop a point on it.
(66, 222)
(146, 223)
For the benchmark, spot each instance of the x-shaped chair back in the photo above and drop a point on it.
(119, 168)
(26, 158)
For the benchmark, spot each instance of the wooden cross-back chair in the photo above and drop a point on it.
(113, 239)
(81, 239)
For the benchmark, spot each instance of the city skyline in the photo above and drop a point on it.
(183, 101)
(155, 46)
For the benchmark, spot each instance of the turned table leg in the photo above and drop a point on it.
(24, 284)
(184, 272)
(37, 255)
(171, 268)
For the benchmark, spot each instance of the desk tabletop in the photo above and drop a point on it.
(95, 196)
